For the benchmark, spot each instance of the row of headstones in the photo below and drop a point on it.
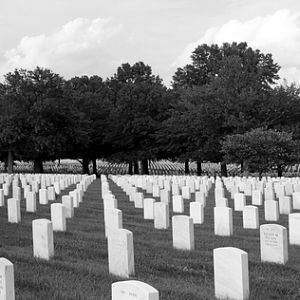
(281, 186)
(223, 219)
(231, 278)
(42, 238)
(129, 289)
(273, 239)
(45, 195)
(183, 226)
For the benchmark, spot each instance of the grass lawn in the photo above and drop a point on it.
(79, 269)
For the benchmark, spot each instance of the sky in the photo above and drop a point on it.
(94, 37)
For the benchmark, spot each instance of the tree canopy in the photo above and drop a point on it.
(225, 106)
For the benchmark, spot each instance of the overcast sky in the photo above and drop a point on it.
(94, 37)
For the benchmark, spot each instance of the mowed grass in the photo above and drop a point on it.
(79, 269)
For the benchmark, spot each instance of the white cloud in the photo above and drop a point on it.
(82, 46)
(278, 34)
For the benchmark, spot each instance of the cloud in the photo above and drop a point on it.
(82, 46)
(278, 34)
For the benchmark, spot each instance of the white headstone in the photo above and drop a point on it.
(271, 210)
(165, 196)
(223, 221)
(113, 220)
(43, 196)
(31, 202)
(7, 281)
(58, 217)
(231, 273)
(178, 204)
(197, 212)
(186, 193)
(51, 193)
(133, 290)
(2, 200)
(13, 210)
(200, 197)
(273, 243)
(183, 232)
(223, 202)
(239, 201)
(285, 205)
(250, 217)
(294, 226)
(149, 208)
(257, 197)
(296, 200)
(161, 215)
(42, 237)
(67, 201)
(138, 200)
(121, 253)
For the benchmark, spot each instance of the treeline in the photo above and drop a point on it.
(223, 107)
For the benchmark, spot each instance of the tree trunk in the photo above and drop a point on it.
(130, 168)
(279, 170)
(223, 169)
(136, 167)
(85, 166)
(145, 168)
(94, 161)
(199, 168)
(260, 175)
(186, 167)
(38, 166)
(242, 168)
(10, 162)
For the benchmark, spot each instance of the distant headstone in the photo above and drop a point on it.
(165, 196)
(161, 215)
(183, 232)
(51, 193)
(223, 221)
(200, 197)
(294, 226)
(31, 202)
(7, 281)
(178, 204)
(13, 210)
(273, 243)
(43, 196)
(58, 217)
(186, 192)
(197, 212)
(271, 210)
(42, 237)
(257, 198)
(113, 220)
(67, 201)
(133, 290)
(121, 253)
(285, 205)
(2, 199)
(250, 217)
(231, 273)
(149, 208)
(222, 202)
(296, 200)
(239, 201)
(139, 200)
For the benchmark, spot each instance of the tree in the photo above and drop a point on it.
(45, 124)
(139, 106)
(261, 149)
(225, 84)
(88, 96)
